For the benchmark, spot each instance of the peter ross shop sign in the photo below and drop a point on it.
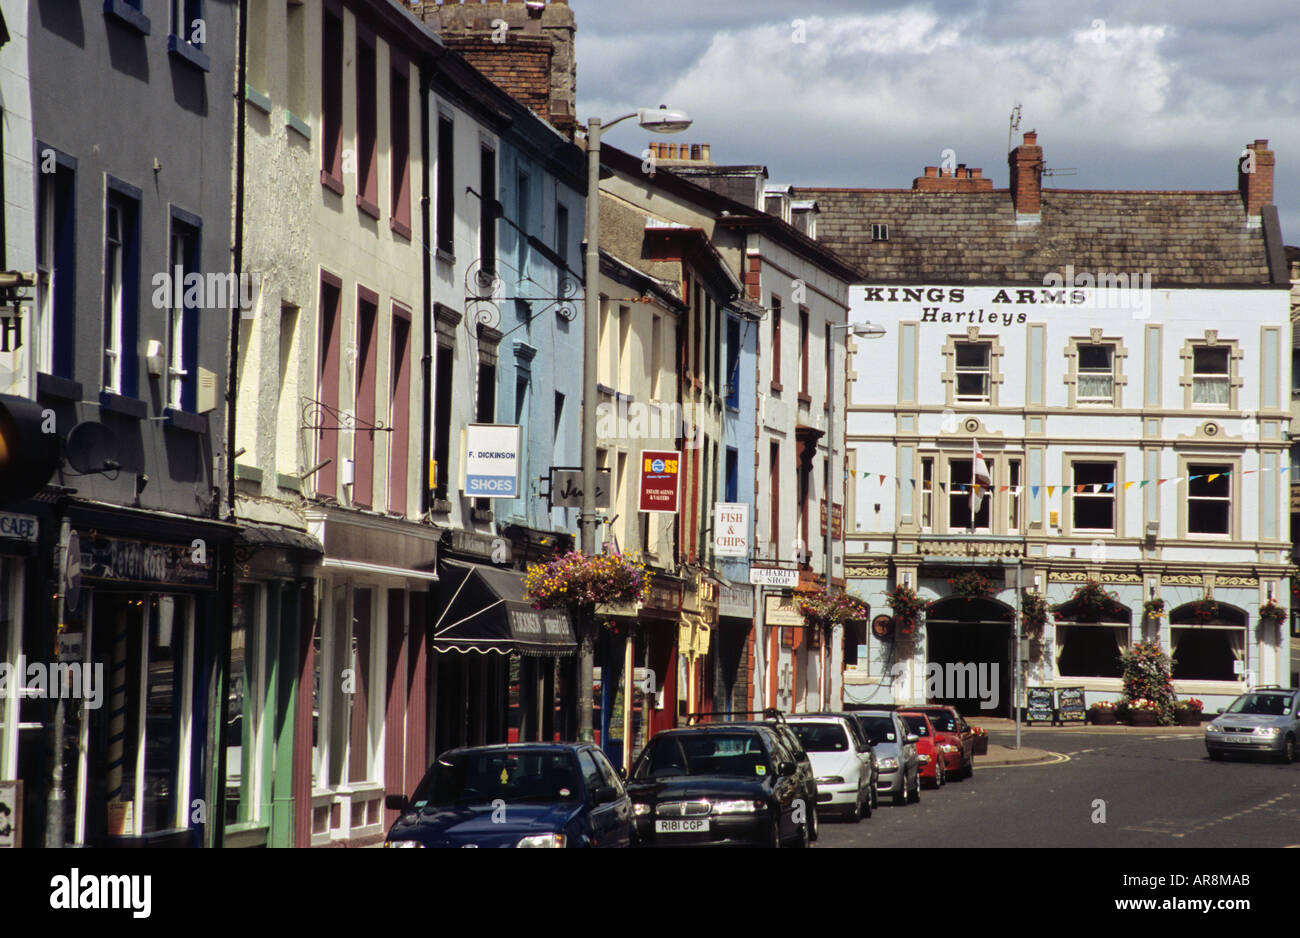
(126, 561)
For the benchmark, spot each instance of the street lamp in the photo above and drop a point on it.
(861, 330)
(661, 120)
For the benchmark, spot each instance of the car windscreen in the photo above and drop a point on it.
(1273, 705)
(879, 729)
(736, 754)
(484, 777)
(916, 724)
(942, 721)
(821, 737)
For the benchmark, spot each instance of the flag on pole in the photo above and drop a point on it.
(981, 479)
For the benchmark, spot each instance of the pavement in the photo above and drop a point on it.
(1030, 755)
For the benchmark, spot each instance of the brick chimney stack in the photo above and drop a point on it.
(535, 63)
(1026, 162)
(959, 180)
(1256, 187)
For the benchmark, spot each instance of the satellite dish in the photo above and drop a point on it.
(92, 447)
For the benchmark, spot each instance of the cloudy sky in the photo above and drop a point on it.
(1157, 95)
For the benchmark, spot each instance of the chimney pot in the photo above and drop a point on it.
(704, 152)
(976, 173)
(695, 151)
(931, 172)
(1031, 138)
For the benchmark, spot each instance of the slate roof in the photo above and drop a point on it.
(1179, 238)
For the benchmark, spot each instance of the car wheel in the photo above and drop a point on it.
(875, 796)
(854, 814)
(867, 806)
(902, 796)
(1287, 755)
(1216, 755)
(812, 828)
(970, 767)
(916, 792)
(776, 833)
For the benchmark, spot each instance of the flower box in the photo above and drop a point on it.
(981, 746)
(1105, 717)
(1188, 717)
(1143, 718)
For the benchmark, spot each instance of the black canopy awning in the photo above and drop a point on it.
(484, 611)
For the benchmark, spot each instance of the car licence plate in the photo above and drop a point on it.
(1240, 739)
(681, 825)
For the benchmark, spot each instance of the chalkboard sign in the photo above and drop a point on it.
(1070, 707)
(1041, 704)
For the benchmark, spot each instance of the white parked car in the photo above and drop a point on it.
(841, 765)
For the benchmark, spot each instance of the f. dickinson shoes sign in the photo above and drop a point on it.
(492, 460)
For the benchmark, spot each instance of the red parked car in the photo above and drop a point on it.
(932, 767)
(953, 736)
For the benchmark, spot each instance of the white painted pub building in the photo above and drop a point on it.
(1121, 362)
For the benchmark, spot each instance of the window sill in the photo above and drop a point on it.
(370, 208)
(331, 182)
(127, 15)
(805, 398)
(292, 483)
(296, 123)
(120, 404)
(447, 257)
(184, 50)
(260, 101)
(48, 385)
(244, 472)
(440, 506)
(186, 421)
(776, 387)
(399, 229)
(481, 515)
(247, 834)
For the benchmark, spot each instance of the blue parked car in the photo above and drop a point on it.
(516, 795)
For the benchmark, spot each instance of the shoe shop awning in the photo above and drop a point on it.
(484, 610)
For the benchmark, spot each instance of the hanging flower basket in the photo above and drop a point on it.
(1154, 608)
(1205, 610)
(972, 585)
(822, 608)
(576, 579)
(1271, 610)
(1033, 612)
(908, 608)
(1092, 601)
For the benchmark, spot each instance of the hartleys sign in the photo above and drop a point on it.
(660, 480)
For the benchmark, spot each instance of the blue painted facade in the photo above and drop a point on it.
(739, 423)
(541, 190)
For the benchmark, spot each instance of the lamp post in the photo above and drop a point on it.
(660, 120)
(862, 330)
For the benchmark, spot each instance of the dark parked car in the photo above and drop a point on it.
(738, 784)
(516, 795)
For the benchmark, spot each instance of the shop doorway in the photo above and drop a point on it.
(970, 642)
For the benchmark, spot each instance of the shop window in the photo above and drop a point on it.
(241, 717)
(1089, 650)
(1209, 499)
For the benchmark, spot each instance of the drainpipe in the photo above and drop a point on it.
(226, 600)
(426, 363)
